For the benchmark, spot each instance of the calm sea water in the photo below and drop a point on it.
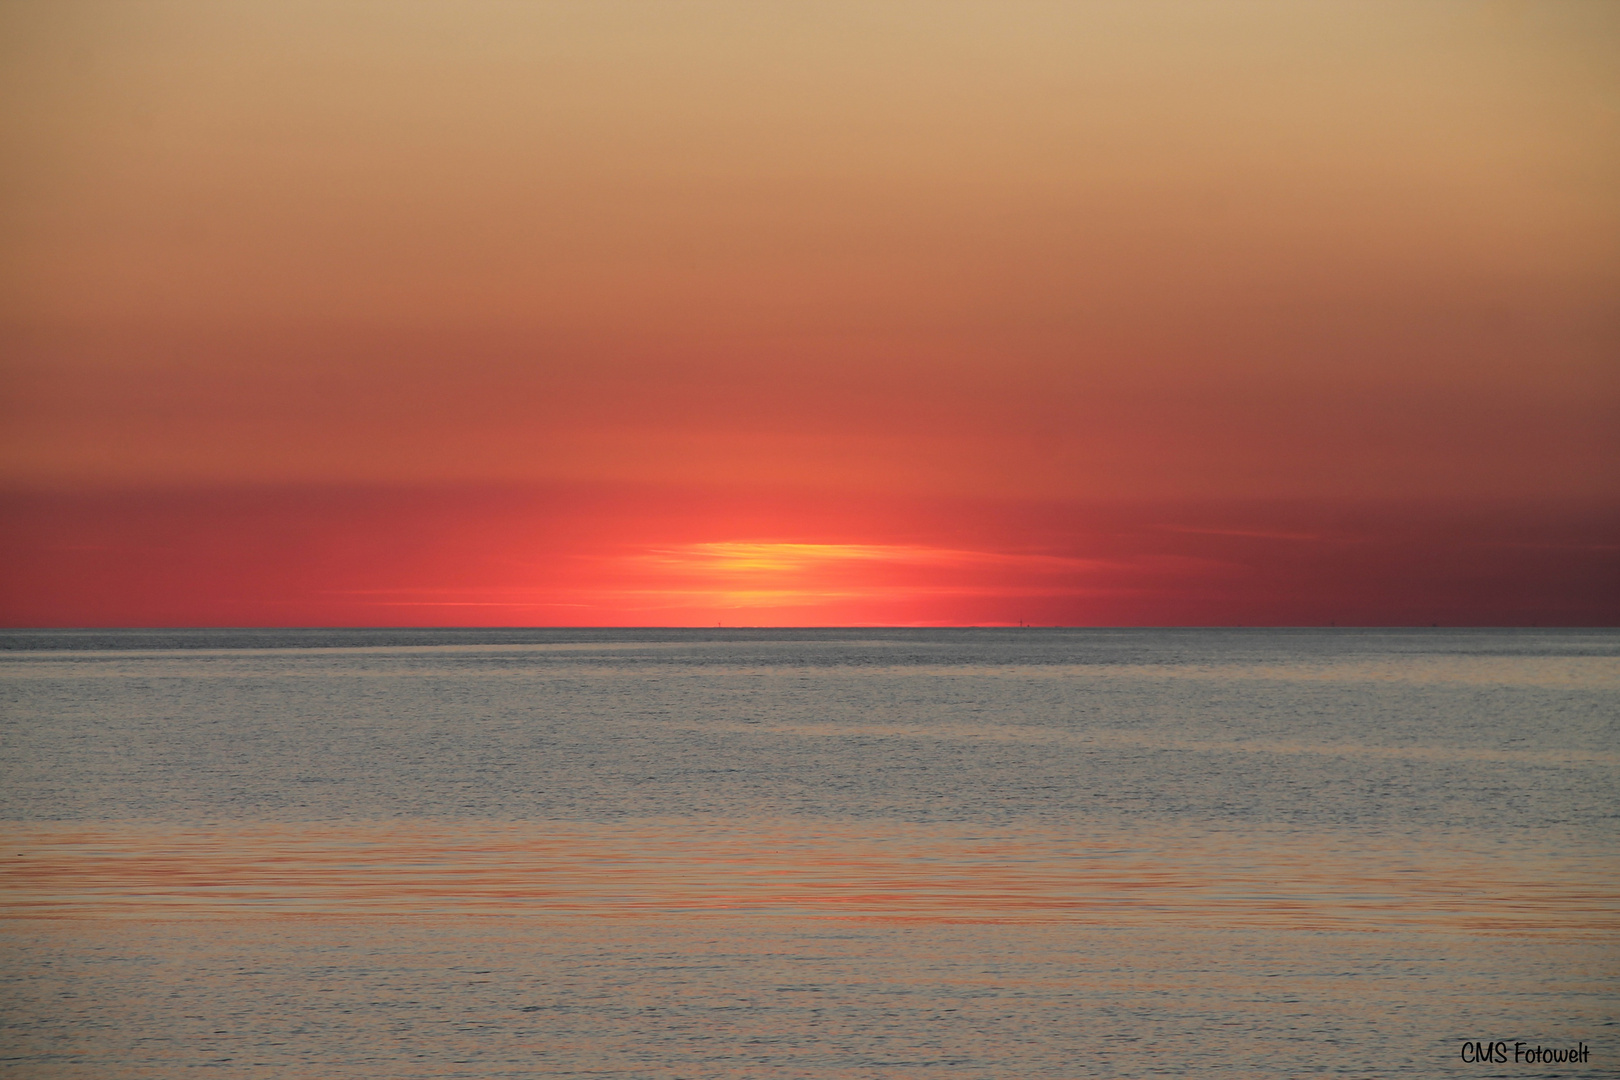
(832, 854)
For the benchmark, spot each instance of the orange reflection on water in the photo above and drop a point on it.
(865, 870)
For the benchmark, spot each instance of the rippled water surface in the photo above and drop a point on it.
(930, 853)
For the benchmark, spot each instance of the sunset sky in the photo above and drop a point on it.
(819, 313)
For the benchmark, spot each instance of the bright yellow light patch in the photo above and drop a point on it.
(758, 574)
(743, 558)
(754, 575)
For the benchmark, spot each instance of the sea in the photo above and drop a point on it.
(1007, 853)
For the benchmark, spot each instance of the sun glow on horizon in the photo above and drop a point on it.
(798, 581)
(780, 583)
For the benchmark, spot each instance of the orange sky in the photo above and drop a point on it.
(849, 275)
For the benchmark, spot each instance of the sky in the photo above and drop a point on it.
(835, 313)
